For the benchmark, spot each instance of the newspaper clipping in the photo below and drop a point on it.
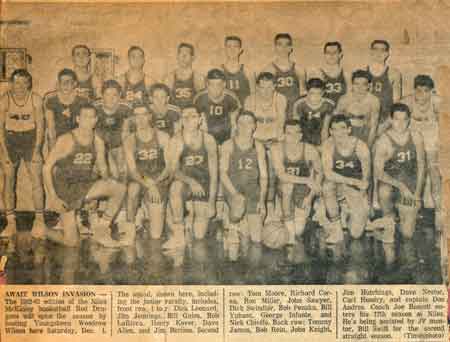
(224, 171)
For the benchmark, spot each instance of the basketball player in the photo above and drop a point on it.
(165, 117)
(218, 107)
(346, 165)
(399, 164)
(361, 107)
(314, 113)
(113, 126)
(21, 138)
(146, 153)
(135, 81)
(244, 178)
(62, 106)
(298, 167)
(238, 79)
(71, 182)
(386, 80)
(184, 82)
(289, 79)
(89, 86)
(195, 164)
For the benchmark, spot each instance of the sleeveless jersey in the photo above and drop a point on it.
(109, 126)
(243, 166)
(311, 119)
(403, 163)
(238, 83)
(299, 167)
(135, 93)
(64, 114)
(265, 117)
(20, 118)
(78, 166)
(166, 122)
(85, 88)
(288, 84)
(217, 115)
(183, 91)
(382, 88)
(194, 164)
(347, 166)
(335, 87)
(149, 156)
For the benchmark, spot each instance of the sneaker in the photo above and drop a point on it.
(10, 230)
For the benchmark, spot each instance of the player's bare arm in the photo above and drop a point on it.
(3, 109)
(313, 155)
(263, 177)
(324, 133)
(51, 130)
(100, 151)
(374, 117)
(420, 150)
(281, 117)
(363, 154)
(199, 81)
(225, 154)
(40, 127)
(301, 74)
(164, 139)
(396, 79)
(213, 167)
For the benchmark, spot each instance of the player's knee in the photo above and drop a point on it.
(133, 190)
(384, 193)
(176, 190)
(329, 189)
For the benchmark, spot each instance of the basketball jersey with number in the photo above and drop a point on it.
(86, 88)
(149, 156)
(78, 166)
(288, 84)
(347, 166)
(20, 118)
(109, 126)
(135, 93)
(243, 166)
(299, 167)
(403, 163)
(238, 83)
(335, 87)
(183, 91)
(166, 122)
(382, 88)
(194, 163)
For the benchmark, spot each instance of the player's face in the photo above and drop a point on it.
(246, 126)
(160, 98)
(266, 88)
(20, 86)
(379, 53)
(190, 119)
(315, 95)
(360, 85)
(340, 130)
(185, 57)
(143, 120)
(111, 97)
(87, 119)
(293, 134)
(67, 84)
(232, 49)
(136, 59)
(283, 47)
(422, 94)
(216, 88)
(400, 121)
(332, 55)
(81, 57)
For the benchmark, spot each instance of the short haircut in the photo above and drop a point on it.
(111, 84)
(283, 36)
(233, 38)
(315, 83)
(265, 76)
(423, 81)
(216, 74)
(159, 86)
(380, 41)
(22, 73)
(191, 106)
(80, 46)
(246, 113)
(291, 122)
(361, 74)
(187, 46)
(335, 119)
(67, 72)
(138, 109)
(400, 107)
(328, 44)
(135, 48)
(86, 106)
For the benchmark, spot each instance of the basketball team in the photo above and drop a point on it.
(245, 148)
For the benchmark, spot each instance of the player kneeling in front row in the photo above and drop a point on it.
(146, 155)
(399, 165)
(298, 168)
(244, 177)
(346, 165)
(71, 182)
(195, 169)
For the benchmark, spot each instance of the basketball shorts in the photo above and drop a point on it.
(251, 192)
(299, 193)
(352, 196)
(20, 145)
(163, 190)
(187, 194)
(72, 193)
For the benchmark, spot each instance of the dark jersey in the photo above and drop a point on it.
(335, 87)
(135, 93)
(238, 83)
(299, 167)
(382, 88)
(183, 91)
(347, 166)
(109, 126)
(403, 164)
(288, 84)
(166, 122)
(218, 114)
(64, 114)
(149, 157)
(86, 88)
(243, 168)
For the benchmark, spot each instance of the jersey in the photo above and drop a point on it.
(183, 91)
(166, 122)
(382, 88)
(109, 126)
(86, 89)
(20, 118)
(237, 82)
(149, 157)
(64, 114)
(135, 93)
(347, 166)
(243, 167)
(403, 164)
(288, 84)
(218, 114)
(335, 87)
(312, 119)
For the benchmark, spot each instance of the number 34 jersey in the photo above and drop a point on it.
(347, 165)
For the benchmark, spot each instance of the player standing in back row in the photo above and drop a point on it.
(289, 79)
(89, 86)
